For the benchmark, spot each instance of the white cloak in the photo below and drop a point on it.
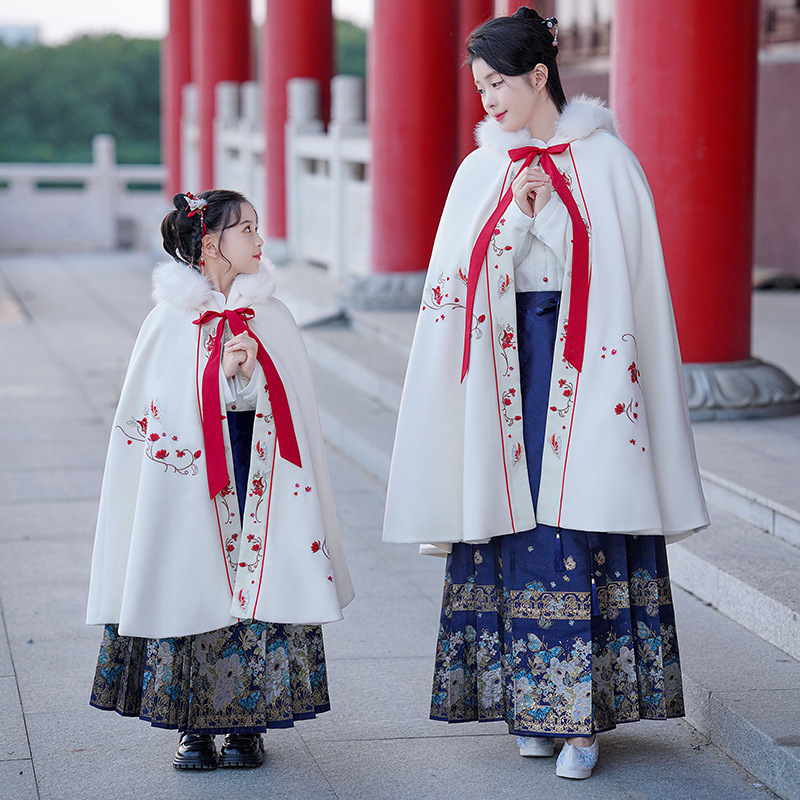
(618, 453)
(169, 561)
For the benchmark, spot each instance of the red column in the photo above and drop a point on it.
(684, 91)
(297, 42)
(471, 13)
(413, 127)
(176, 71)
(221, 51)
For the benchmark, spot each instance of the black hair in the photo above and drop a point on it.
(515, 45)
(183, 235)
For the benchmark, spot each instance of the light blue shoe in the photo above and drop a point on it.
(535, 746)
(577, 762)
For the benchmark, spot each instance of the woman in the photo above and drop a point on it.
(217, 551)
(544, 433)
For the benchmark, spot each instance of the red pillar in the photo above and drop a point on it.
(297, 42)
(221, 51)
(684, 91)
(471, 13)
(413, 127)
(176, 71)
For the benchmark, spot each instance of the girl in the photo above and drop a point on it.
(544, 433)
(217, 551)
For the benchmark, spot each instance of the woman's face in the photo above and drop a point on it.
(513, 101)
(241, 244)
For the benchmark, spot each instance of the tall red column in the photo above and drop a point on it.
(684, 91)
(297, 42)
(221, 51)
(176, 71)
(413, 127)
(471, 13)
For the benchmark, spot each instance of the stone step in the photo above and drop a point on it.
(745, 573)
(740, 692)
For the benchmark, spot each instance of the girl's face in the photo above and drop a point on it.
(241, 244)
(513, 101)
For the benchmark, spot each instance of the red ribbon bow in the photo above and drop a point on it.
(218, 477)
(579, 287)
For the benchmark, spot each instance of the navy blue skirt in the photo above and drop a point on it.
(245, 678)
(558, 632)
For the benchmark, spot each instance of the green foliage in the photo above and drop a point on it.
(55, 99)
(351, 49)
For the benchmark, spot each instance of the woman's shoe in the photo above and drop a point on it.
(536, 746)
(242, 750)
(577, 762)
(196, 751)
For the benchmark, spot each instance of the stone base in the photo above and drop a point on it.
(390, 291)
(740, 390)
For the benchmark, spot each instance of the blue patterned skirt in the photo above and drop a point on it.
(558, 632)
(244, 678)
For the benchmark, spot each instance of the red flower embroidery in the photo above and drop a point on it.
(197, 454)
(256, 547)
(315, 547)
(619, 408)
(633, 441)
(308, 488)
(258, 485)
(507, 337)
(230, 548)
(161, 454)
(634, 372)
(437, 294)
(154, 437)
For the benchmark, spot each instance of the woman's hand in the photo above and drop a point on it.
(532, 189)
(239, 353)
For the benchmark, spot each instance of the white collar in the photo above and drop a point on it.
(185, 288)
(582, 116)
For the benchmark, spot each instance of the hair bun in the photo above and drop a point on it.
(523, 12)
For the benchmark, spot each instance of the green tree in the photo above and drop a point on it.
(351, 49)
(54, 99)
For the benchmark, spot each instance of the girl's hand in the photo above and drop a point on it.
(532, 189)
(240, 353)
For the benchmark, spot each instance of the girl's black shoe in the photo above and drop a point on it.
(241, 750)
(196, 751)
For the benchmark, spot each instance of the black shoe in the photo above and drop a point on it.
(196, 751)
(242, 750)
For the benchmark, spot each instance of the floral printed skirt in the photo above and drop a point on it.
(558, 636)
(244, 678)
(558, 632)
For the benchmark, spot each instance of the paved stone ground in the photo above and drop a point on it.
(67, 329)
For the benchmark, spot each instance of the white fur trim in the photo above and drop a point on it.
(257, 287)
(181, 285)
(582, 116)
(184, 287)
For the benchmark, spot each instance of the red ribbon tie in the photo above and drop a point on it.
(237, 319)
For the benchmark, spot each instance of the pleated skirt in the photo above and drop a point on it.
(557, 632)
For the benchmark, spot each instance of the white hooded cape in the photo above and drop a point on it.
(170, 561)
(618, 452)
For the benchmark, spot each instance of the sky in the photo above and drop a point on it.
(59, 20)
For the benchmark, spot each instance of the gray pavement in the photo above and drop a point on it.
(68, 325)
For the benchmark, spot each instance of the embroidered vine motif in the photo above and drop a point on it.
(505, 338)
(508, 398)
(439, 298)
(321, 547)
(498, 251)
(258, 486)
(223, 496)
(181, 460)
(568, 392)
(628, 410)
(555, 445)
(252, 548)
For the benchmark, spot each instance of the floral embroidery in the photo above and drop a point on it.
(628, 410)
(321, 546)
(508, 399)
(555, 444)
(516, 453)
(182, 461)
(439, 298)
(505, 338)
(503, 284)
(223, 496)
(568, 393)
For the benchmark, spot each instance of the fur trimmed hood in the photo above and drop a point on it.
(185, 288)
(581, 116)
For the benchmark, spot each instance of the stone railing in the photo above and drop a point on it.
(327, 192)
(81, 207)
